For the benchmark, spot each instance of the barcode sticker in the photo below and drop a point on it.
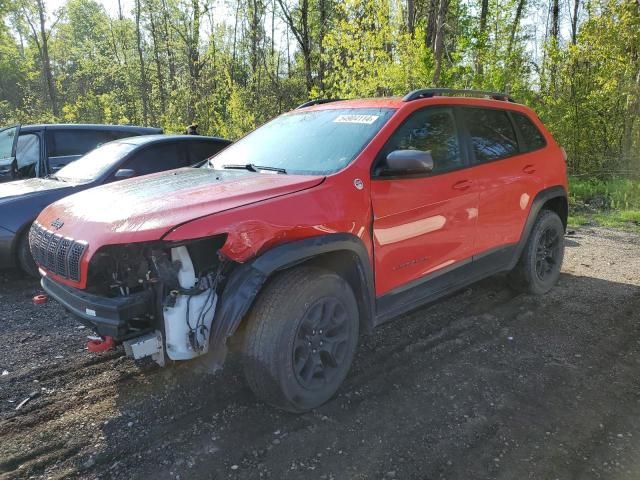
(365, 119)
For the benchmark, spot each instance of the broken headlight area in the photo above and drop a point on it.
(182, 281)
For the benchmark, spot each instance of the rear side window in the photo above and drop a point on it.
(157, 158)
(63, 143)
(201, 150)
(430, 130)
(533, 138)
(492, 134)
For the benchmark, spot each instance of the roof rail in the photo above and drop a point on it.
(317, 101)
(432, 92)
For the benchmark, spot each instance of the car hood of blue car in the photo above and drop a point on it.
(30, 187)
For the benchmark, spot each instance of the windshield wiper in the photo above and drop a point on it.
(252, 167)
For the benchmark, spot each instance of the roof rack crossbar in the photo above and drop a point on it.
(432, 92)
(317, 101)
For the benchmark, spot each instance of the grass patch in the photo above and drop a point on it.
(613, 203)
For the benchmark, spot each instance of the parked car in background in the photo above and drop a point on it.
(21, 201)
(29, 151)
(324, 222)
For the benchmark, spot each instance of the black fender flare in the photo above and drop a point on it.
(247, 279)
(539, 201)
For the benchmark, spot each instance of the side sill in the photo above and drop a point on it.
(443, 282)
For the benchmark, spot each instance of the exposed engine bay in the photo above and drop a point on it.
(184, 282)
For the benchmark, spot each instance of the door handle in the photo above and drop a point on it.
(529, 169)
(462, 185)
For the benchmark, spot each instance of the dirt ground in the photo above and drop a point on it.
(486, 384)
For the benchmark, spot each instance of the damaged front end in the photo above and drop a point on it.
(157, 298)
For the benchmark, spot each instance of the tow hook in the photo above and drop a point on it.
(99, 344)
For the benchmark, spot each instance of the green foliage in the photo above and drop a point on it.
(231, 65)
(611, 203)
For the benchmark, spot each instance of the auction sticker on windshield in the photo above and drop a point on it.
(366, 119)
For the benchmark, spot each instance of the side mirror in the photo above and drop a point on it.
(125, 173)
(408, 162)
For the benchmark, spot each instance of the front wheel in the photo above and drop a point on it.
(301, 338)
(25, 259)
(538, 268)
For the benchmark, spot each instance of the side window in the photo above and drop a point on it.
(28, 155)
(63, 143)
(430, 130)
(201, 150)
(533, 138)
(492, 134)
(157, 158)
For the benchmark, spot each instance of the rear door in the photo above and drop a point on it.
(8, 144)
(424, 224)
(505, 173)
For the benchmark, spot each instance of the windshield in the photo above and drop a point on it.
(313, 142)
(95, 163)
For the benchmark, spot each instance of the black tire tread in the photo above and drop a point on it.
(25, 260)
(521, 277)
(262, 335)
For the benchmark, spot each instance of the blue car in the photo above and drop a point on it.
(21, 201)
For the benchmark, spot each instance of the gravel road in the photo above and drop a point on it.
(485, 384)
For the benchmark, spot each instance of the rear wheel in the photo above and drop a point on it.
(539, 266)
(25, 259)
(301, 337)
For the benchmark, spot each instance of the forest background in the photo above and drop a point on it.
(231, 65)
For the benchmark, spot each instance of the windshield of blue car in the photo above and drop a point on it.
(95, 163)
(316, 142)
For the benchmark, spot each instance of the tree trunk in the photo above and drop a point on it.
(322, 66)
(235, 42)
(633, 111)
(515, 26)
(156, 56)
(143, 73)
(439, 40)
(303, 36)
(484, 10)
(411, 17)
(574, 21)
(432, 24)
(167, 46)
(555, 20)
(46, 61)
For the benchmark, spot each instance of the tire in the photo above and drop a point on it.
(538, 268)
(25, 259)
(301, 337)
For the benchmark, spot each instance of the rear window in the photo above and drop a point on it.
(62, 143)
(201, 150)
(158, 158)
(533, 138)
(492, 134)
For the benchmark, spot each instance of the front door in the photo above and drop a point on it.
(424, 224)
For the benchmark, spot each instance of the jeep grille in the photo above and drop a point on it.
(56, 253)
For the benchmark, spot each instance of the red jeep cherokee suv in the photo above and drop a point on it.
(325, 222)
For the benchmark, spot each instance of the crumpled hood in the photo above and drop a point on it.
(143, 209)
(31, 186)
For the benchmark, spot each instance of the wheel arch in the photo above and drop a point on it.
(552, 198)
(340, 252)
